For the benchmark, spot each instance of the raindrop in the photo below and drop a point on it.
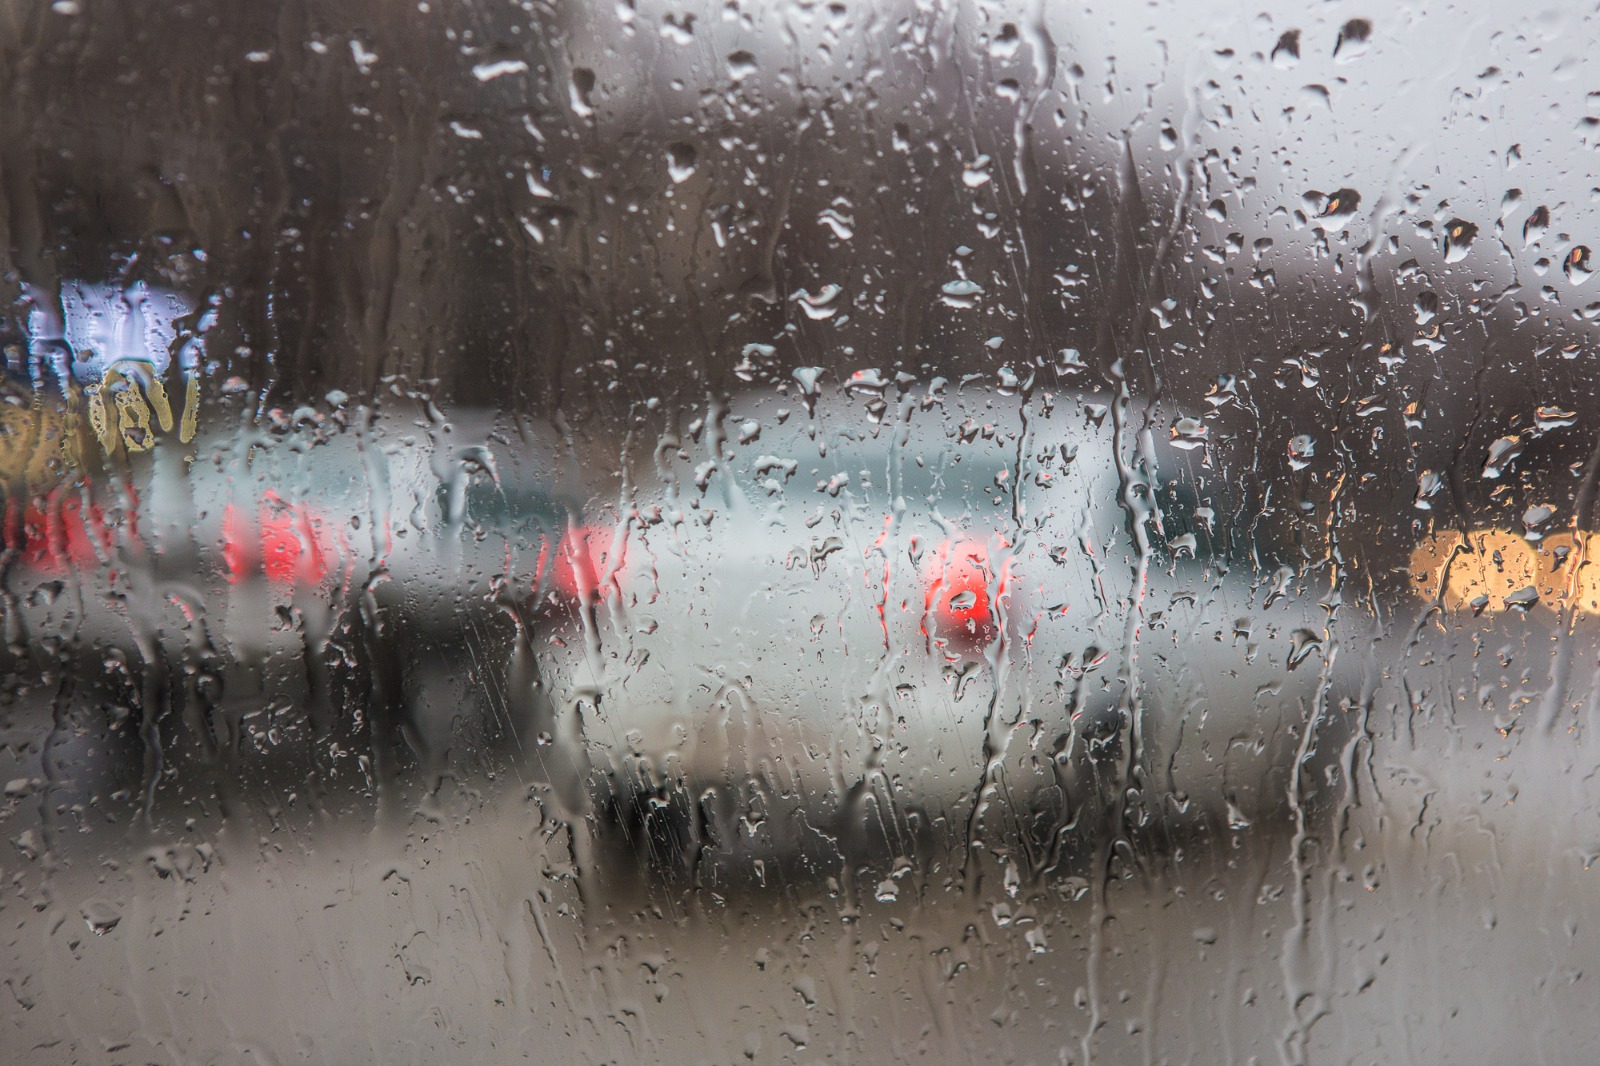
(1501, 455)
(364, 58)
(499, 69)
(1333, 210)
(1576, 265)
(741, 65)
(1006, 42)
(807, 378)
(1549, 416)
(1301, 449)
(1523, 600)
(1069, 361)
(870, 380)
(843, 225)
(1429, 482)
(821, 304)
(1538, 222)
(960, 293)
(1189, 434)
(101, 916)
(1353, 39)
(581, 91)
(1286, 53)
(1427, 306)
(1458, 237)
(1302, 642)
(680, 162)
(1535, 517)
(678, 28)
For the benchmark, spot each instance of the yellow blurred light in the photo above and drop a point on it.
(1492, 570)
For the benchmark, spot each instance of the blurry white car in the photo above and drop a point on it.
(881, 620)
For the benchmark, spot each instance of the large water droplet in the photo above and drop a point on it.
(101, 916)
(1189, 434)
(1576, 265)
(960, 293)
(820, 304)
(741, 65)
(680, 162)
(1286, 53)
(1534, 228)
(1458, 237)
(1354, 37)
(843, 225)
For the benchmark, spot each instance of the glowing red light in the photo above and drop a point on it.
(60, 533)
(959, 580)
(581, 560)
(286, 542)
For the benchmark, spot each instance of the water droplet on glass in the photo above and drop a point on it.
(843, 225)
(741, 65)
(1535, 518)
(807, 377)
(1353, 39)
(499, 68)
(1458, 237)
(1189, 434)
(101, 916)
(1576, 265)
(821, 304)
(1502, 453)
(1549, 416)
(1286, 53)
(1302, 642)
(1334, 210)
(1522, 600)
(960, 293)
(1429, 483)
(1006, 42)
(1536, 225)
(581, 91)
(680, 162)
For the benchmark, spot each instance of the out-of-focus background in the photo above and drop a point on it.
(792, 532)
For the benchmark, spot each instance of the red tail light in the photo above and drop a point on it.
(959, 581)
(287, 542)
(580, 564)
(60, 532)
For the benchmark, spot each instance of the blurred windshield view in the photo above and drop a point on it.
(784, 531)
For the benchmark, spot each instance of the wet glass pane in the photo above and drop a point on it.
(793, 531)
